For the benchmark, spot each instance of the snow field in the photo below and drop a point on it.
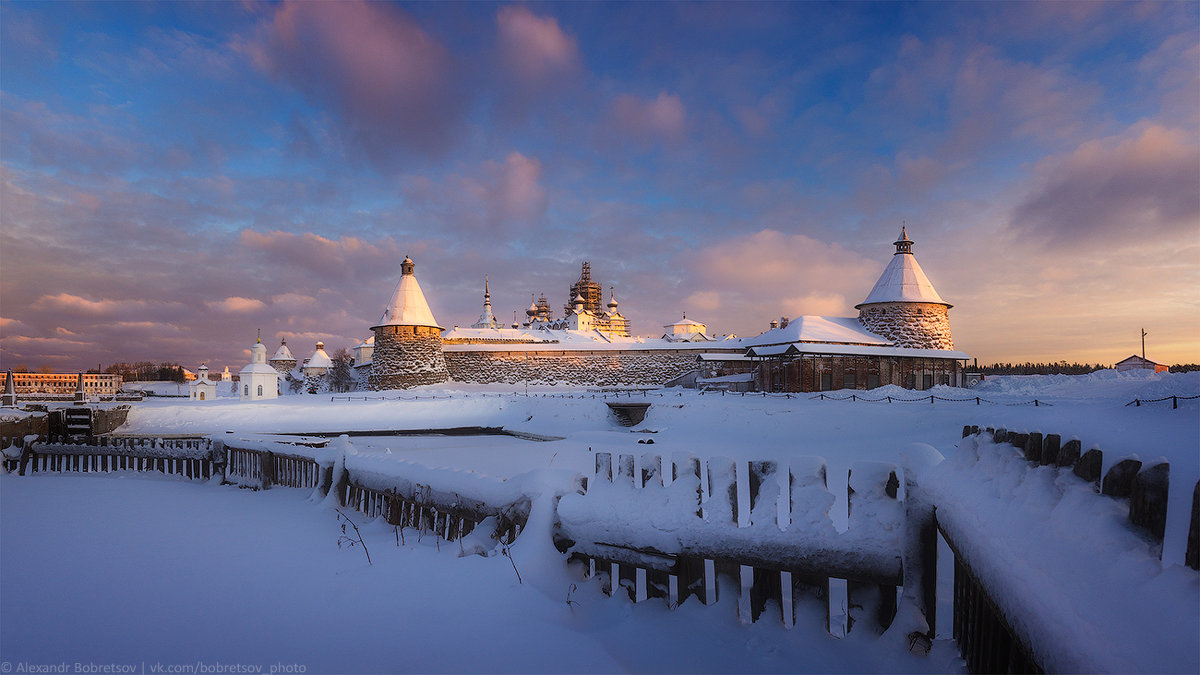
(549, 633)
(195, 572)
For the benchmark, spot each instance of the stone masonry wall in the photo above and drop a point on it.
(584, 368)
(406, 356)
(923, 325)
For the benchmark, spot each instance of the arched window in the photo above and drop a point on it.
(260, 391)
(201, 396)
(245, 390)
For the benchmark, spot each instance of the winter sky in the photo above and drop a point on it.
(177, 176)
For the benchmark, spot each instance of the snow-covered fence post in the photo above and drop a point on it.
(808, 500)
(652, 583)
(1118, 482)
(919, 547)
(1148, 500)
(875, 492)
(765, 492)
(1090, 466)
(686, 469)
(1050, 449)
(719, 506)
(1033, 447)
(1068, 454)
(1192, 555)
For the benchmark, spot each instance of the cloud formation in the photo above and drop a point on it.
(1125, 189)
(392, 82)
(662, 119)
(533, 48)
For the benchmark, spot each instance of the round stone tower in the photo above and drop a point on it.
(904, 307)
(408, 341)
(283, 361)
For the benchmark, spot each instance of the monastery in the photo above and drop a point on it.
(901, 336)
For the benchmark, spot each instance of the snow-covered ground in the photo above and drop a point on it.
(103, 570)
(130, 568)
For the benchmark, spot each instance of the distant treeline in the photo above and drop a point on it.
(1060, 368)
(144, 371)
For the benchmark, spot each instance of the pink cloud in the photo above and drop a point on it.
(756, 277)
(494, 198)
(663, 118)
(534, 48)
(76, 304)
(1122, 189)
(390, 80)
(237, 304)
(331, 260)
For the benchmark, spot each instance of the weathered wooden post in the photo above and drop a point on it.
(1148, 500)
(1089, 466)
(808, 489)
(1192, 555)
(876, 601)
(1033, 447)
(1069, 453)
(1118, 482)
(919, 546)
(1050, 449)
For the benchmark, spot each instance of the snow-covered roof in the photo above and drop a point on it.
(283, 353)
(258, 368)
(817, 329)
(408, 306)
(319, 359)
(490, 334)
(903, 280)
(853, 350)
(684, 322)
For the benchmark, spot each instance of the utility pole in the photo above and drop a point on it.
(1144, 334)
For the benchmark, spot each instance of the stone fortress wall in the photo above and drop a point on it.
(583, 368)
(921, 325)
(407, 356)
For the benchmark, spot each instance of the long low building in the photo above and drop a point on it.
(901, 336)
(94, 384)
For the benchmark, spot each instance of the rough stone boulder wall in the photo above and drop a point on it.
(921, 325)
(407, 356)
(595, 369)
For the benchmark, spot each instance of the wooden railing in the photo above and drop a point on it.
(195, 458)
(763, 527)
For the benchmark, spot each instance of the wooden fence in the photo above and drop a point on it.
(194, 458)
(261, 469)
(729, 521)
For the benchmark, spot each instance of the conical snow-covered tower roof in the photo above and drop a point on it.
(408, 306)
(283, 353)
(903, 280)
